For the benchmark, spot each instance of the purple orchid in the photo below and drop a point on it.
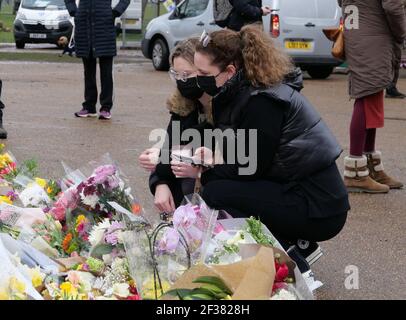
(184, 217)
(169, 241)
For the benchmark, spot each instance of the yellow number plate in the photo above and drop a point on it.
(298, 45)
(131, 21)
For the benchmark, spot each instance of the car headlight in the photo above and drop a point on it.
(63, 17)
(21, 16)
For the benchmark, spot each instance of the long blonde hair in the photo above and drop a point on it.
(252, 50)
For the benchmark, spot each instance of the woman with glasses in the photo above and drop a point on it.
(190, 108)
(296, 188)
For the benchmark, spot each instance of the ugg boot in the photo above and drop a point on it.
(376, 171)
(357, 179)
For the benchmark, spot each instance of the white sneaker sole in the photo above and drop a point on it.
(316, 255)
(89, 115)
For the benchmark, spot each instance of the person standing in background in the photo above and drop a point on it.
(246, 12)
(392, 91)
(369, 50)
(3, 132)
(95, 38)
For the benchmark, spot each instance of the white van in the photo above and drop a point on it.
(132, 17)
(296, 24)
(41, 21)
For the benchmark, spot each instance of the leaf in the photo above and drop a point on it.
(214, 281)
(180, 293)
(100, 250)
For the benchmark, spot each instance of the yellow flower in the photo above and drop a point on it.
(50, 190)
(16, 286)
(4, 199)
(41, 182)
(80, 219)
(68, 291)
(66, 287)
(4, 295)
(148, 290)
(37, 277)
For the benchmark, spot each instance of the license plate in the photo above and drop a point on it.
(131, 21)
(298, 45)
(38, 36)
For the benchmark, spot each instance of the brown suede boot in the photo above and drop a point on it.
(357, 179)
(376, 171)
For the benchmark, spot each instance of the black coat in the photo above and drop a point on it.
(244, 12)
(94, 26)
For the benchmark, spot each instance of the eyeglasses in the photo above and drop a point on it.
(176, 76)
(205, 39)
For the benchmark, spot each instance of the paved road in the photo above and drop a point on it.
(41, 99)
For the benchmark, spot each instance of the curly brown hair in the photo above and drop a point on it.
(186, 50)
(252, 49)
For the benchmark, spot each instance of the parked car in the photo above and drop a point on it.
(162, 34)
(295, 24)
(44, 21)
(298, 26)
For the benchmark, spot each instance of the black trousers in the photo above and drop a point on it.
(106, 79)
(284, 213)
(397, 59)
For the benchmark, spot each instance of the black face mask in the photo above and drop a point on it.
(208, 85)
(189, 89)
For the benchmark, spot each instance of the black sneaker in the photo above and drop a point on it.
(300, 261)
(393, 93)
(311, 251)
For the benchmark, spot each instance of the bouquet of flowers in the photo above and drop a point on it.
(159, 255)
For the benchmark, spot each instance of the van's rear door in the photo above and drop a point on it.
(302, 23)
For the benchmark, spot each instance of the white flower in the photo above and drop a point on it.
(121, 290)
(97, 233)
(91, 200)
(238, 238)
(284, 294)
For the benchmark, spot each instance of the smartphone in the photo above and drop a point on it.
(190, 160)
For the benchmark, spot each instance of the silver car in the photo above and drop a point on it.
(296, 24)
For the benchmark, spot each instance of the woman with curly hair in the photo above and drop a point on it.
(296, 189)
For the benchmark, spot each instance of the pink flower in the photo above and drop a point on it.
(169, 241)
(5, 214)
(103, 172)
(184, 216)
(58, 211)
(111, 238)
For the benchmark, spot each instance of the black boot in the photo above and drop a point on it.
(393, 92)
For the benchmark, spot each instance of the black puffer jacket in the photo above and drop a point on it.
(94, 26)
(244, 12)
(302, 144)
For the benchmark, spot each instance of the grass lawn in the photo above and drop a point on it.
(37, 56)
(7, 18)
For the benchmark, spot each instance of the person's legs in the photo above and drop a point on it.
(392, 91)
(356, 174)
(89, 65)
(370, 141)
(3, 132)
(358, 131)
(284, 213)
(106, 76)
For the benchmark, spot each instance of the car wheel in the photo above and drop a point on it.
(20, 44)
(320, 72)
(160, 55)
